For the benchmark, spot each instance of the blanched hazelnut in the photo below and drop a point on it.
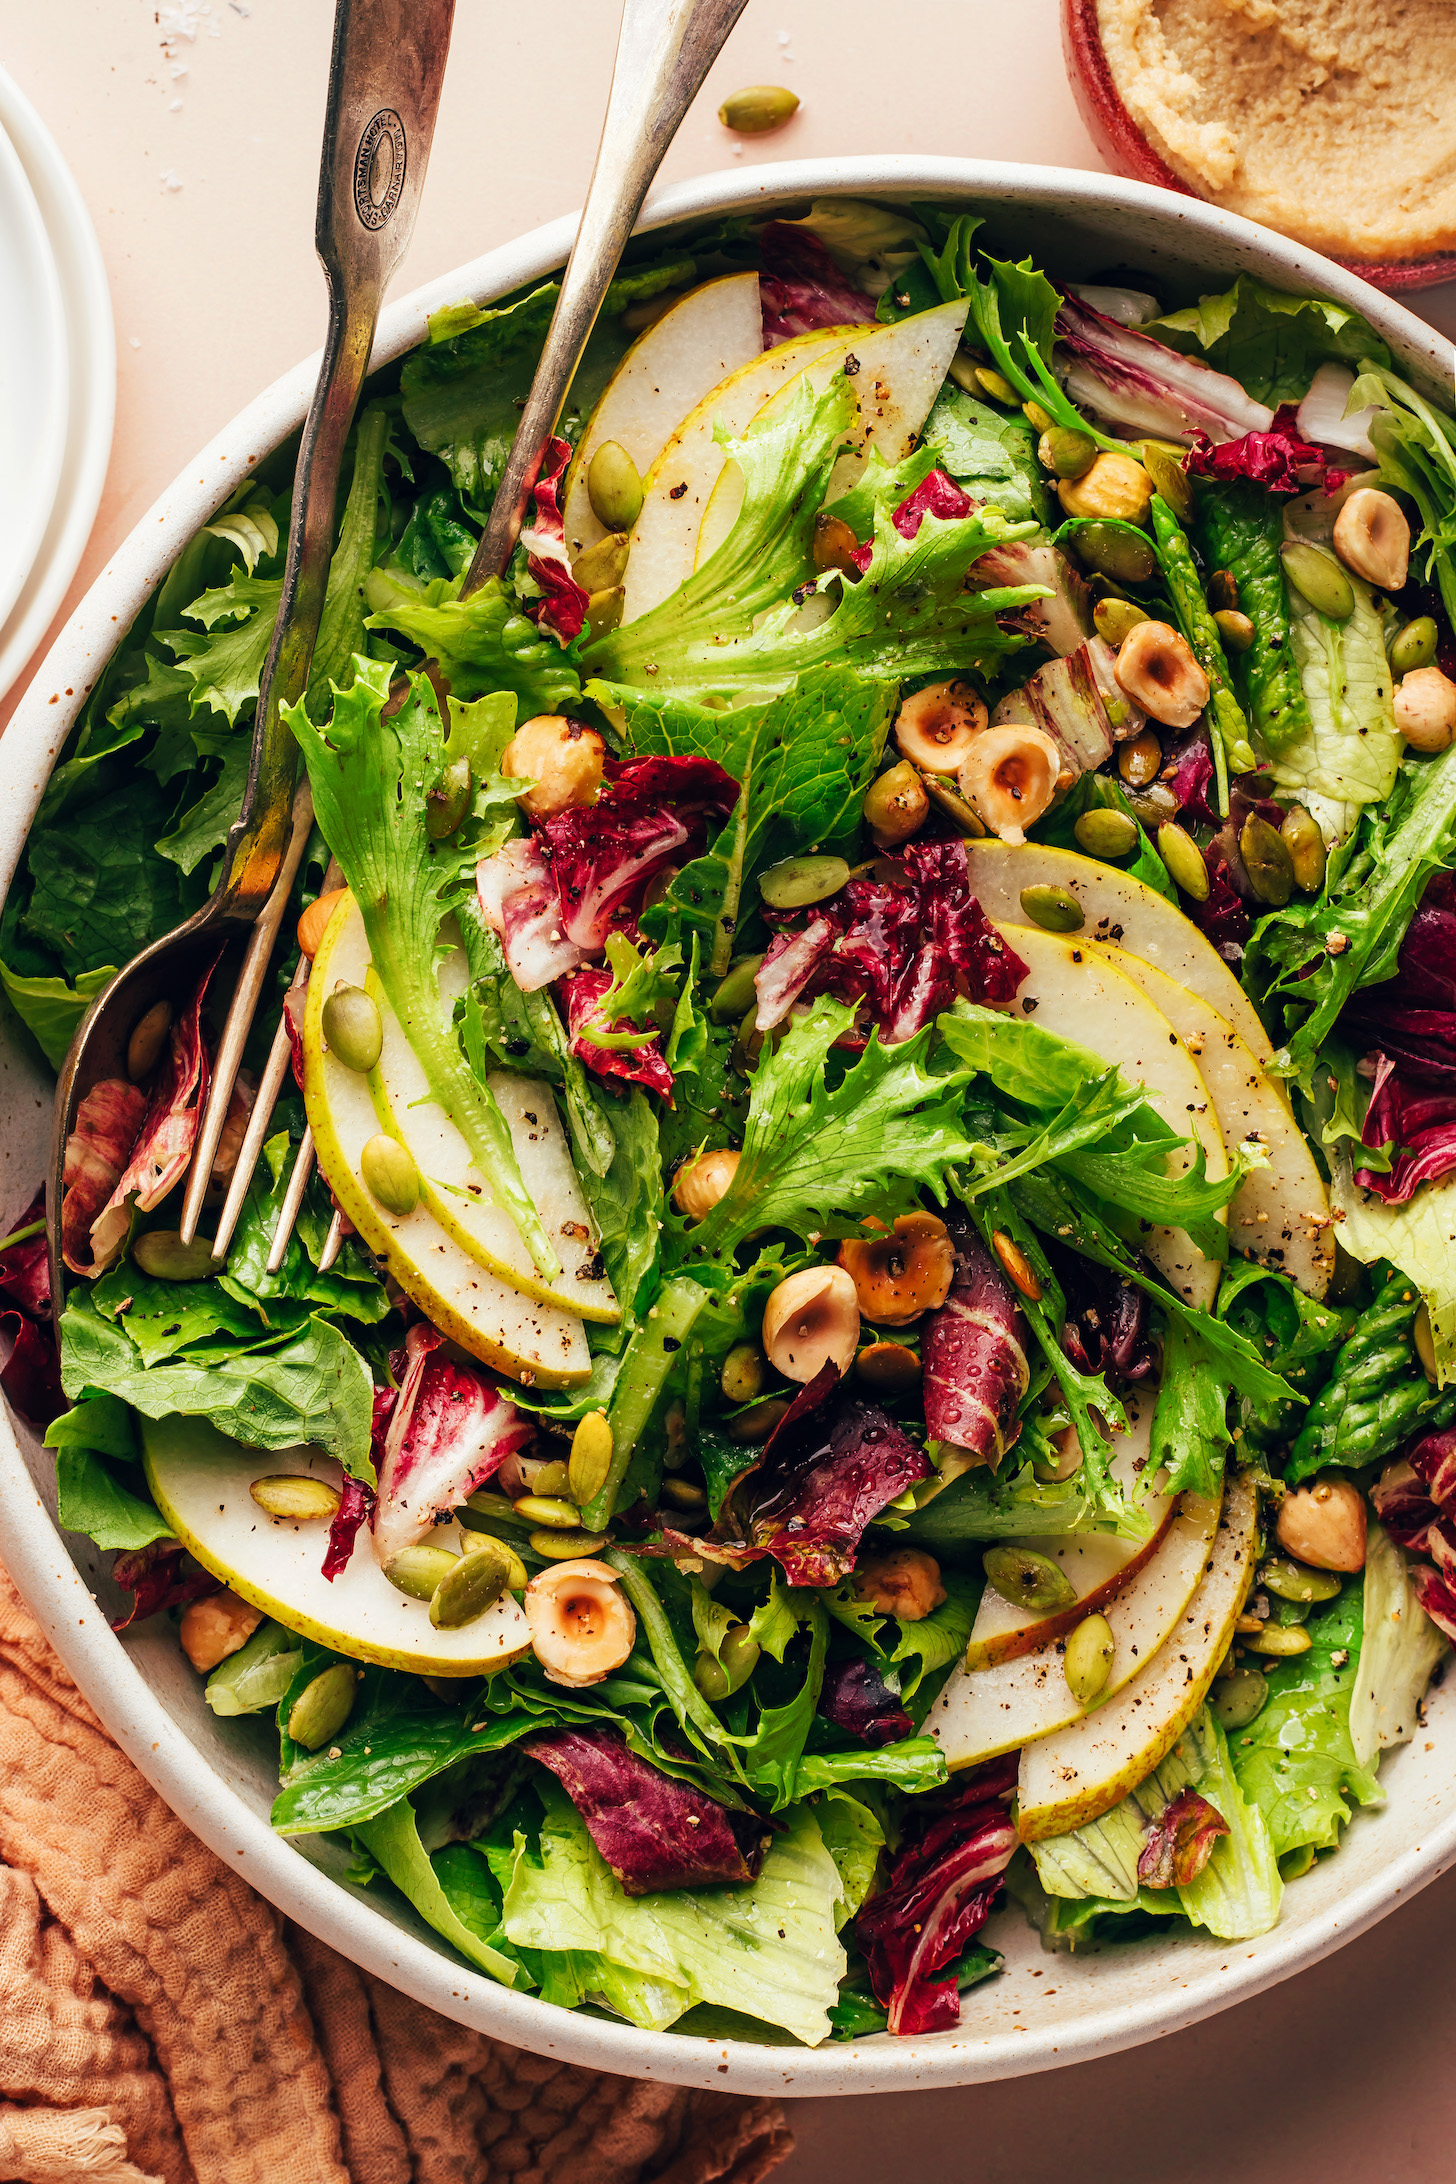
(564, 759)
(1114, 486)
(1009, 777)
(213, 1628)
(896, 805)
(1425, 709)
(582, 1625)
(1156, 667)
(905, 1583)
(1324, 1525)
(702, 1182)
(1373, 538)
(314, 920)
(899, 1276)
(935, 725)
(810, 1320)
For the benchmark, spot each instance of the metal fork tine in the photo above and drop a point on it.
(292, 1200)
(333, 1243)
(240, 1016)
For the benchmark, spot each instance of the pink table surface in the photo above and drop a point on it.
(193, 129)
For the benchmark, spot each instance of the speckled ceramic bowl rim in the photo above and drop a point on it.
(1175, 1986)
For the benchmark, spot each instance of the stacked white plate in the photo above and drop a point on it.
(57, 379)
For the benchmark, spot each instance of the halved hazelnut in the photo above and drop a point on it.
(701, 1184)
(582, 1625)
(213, 1628)
(1009, 777)
(810, 1320)
(934, 726)
(1373, 538)
(899, 1276)
(1156, 667)
(904, 1583)
(1324, 1524)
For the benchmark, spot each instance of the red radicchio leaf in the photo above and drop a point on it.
(831, 1465)
(356, 1507)
(1433, 1460)
(936, 495)
(1191, 778)
(449, 1430)
(1063, 620)
(295, 1001)
(25, 1269)
(1180, 1841)
(31, 1379)
(1133, 380)
(1436, 1597)
(603, 857)
(644, 1065)
(519, 902)
(97, 1150)
(973, 1354)
(939, 1895)
(1223, 919)
(1403, 1506)
(1280, 460)
(1106, 1329)
(156, 1579)
(802, 289)
(563, 610)
(1421, 1124)
(856, 1698)
(169, 1128)
(1441, 1547)
(907, 950)
(1410, 1021)
(688, 784)
(654, 1832)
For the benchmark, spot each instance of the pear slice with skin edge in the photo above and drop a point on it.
(1078, 993)
(896, 382)
(712, 331)
(1123, 911)
(516, 1334)
(1281, 1216)
(1098, 1564)
(201, 1483)
(1074, 1777)
(452, 1188)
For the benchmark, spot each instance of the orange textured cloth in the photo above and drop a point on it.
(161, 2024)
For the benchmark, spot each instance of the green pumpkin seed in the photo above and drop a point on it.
(1287, 1612)
(613, 487)
(448, 803)
(1235, 629)
(1087, 1663)
(1151, 807)
(1280, 1644)
(353, 1028)
(573, 1546)
(1040, 420)
(323, 1706)
(994, 387)
(962, 369)
(591, 1458)
(390, 1175)
(471, 1586)
(798, 881)
(955, 807)
(1105, 833)
(744, 1371)
(1025, 1579)
(1290, 1580)
(1267, 861)
(161, 1253)
(144, 1047)
(1425, 1341)
(682, 1493)
(418, 1570)
(1221, 590)
(1164, 465)
(712, 1679)
(1066, 454)
(1306, 847)
(1114, 550)
(758, 110)
(739, 1654)
(1412, 647)
(291, 1494)
(545, 1509)
(736, 991)
(1053, 909)
(553, 1480)
(491, 1509)
(1140, 759)
(1318, 577)
(1115, 617)
(752, 1426)
(1184, 860)
(604, 565)
(604, 611)
(1238, 1698)
(518, 1577)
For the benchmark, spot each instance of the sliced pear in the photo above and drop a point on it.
(1281, 1216)
(713, 330)
(452, 1187)
(1121, 910)
(1079, 993)
(493, 1320)
(200, 1481)
(1099, 1564)
(1086, 1769)
(984, 1711)
(900, 369)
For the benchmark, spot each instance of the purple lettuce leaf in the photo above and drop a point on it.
(563, 609)
(1281, 459)
(1106, 1328)
(164, 1142)
(801, 289)
(518, 900)
(450, 1429)
(25, 1269)
(653, 1831)
(856, 1698)
(644, 1065)
(973, 1354)
(356, 1508)
(604, 856)
(1407, 1024)
(155, 1578)
(1433, 1460)
(1400, 1500)
(1135, 382)
(1180, 1841)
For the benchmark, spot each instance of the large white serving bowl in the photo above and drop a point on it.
(219, 1775)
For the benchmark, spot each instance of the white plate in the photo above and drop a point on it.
(34, 378)
(220, 1776)
(90, 408)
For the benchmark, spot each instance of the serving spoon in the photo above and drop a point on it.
(385, 75)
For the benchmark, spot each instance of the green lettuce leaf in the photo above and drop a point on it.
(484, 644)
(50, 1009)
(1351, 753)
(1296, 1335)
(1295, 1760)
(92, 1501)
(162, 1319)
(1419, 1238)
(991, 454)
(99, 890)
(1271, 343)
(1400, 1652)
(769, 1949)
(393, 1840)
(854, 1837)
(255, 1678)
(1416, 447)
